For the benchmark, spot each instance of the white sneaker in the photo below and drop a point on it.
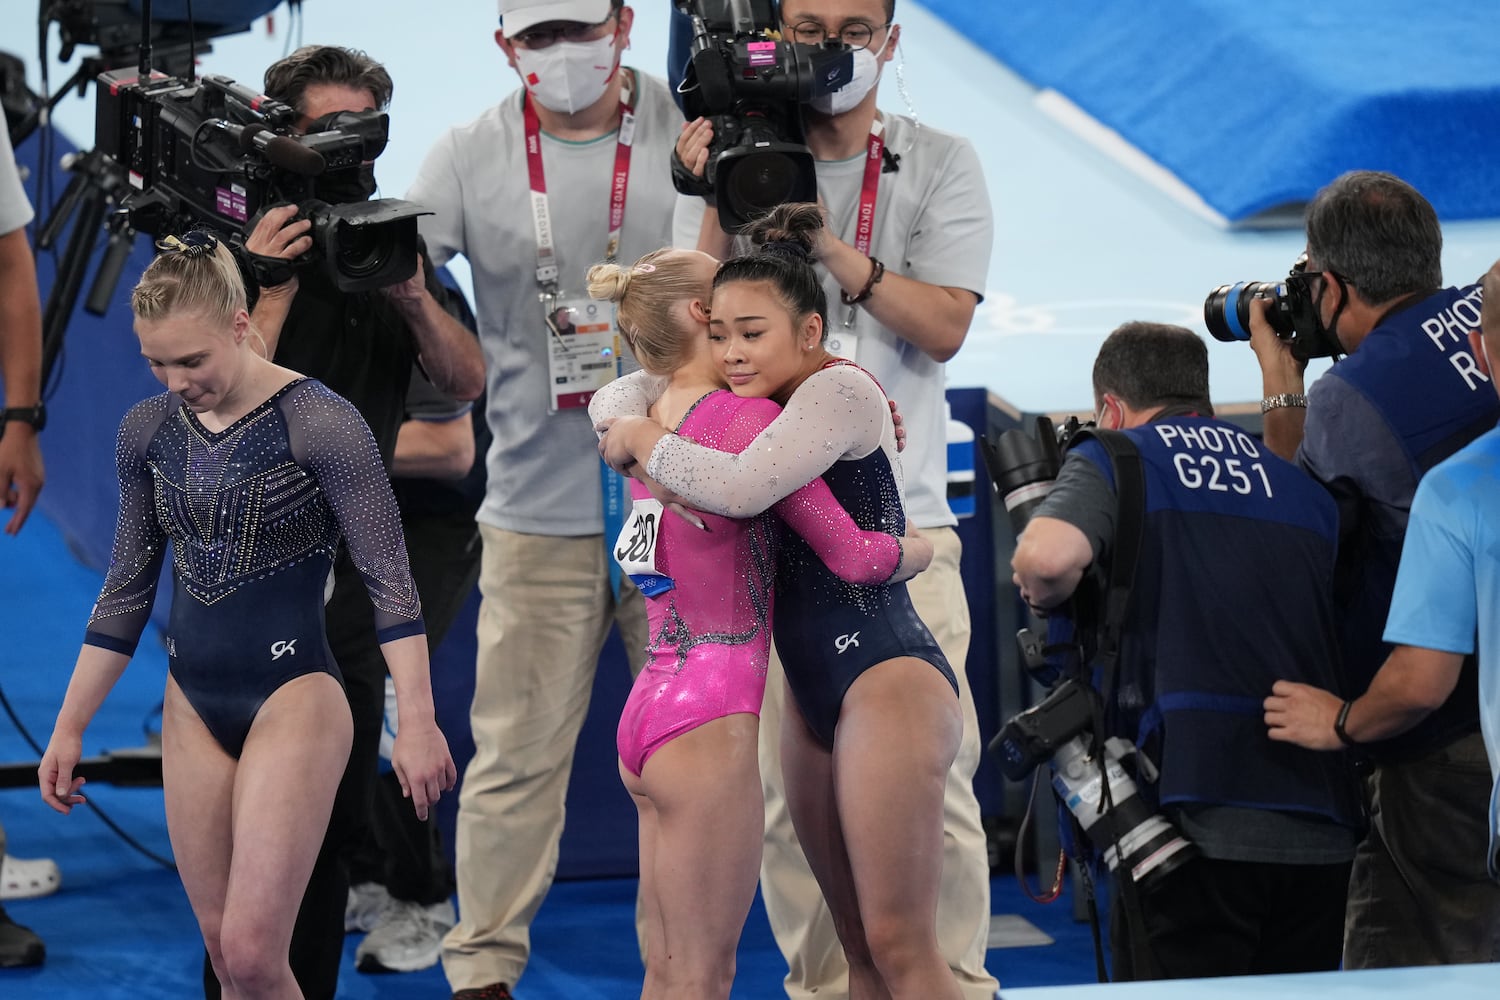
(367, 904)
(410, 937)
(27, 878)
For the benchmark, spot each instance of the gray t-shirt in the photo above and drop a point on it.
(544, 471)
(933, 223)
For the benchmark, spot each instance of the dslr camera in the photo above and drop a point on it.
(213, 153)
(1063, 730)
(1292, 313)
(751, 85)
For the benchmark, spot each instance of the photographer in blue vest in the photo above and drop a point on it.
(1232, 589)
(1409, 394)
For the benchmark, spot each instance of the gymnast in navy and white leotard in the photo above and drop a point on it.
(827, 631)
(254, 514)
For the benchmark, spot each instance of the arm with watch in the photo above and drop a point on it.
(21, 470)
(1413, 683)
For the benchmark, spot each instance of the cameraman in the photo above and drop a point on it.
(909, 282)
(362, 346)
(1409, 394)
(1231, 590)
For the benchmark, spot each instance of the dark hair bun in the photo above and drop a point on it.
(789, 230)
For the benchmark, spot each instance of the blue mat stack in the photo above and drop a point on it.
(1256, 106)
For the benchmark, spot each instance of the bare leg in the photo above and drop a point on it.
(705, 790)
(807, 776)
(899, 729)
(648, 910)
(288, 773)
(197, 791)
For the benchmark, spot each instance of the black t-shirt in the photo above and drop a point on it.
(358, 345)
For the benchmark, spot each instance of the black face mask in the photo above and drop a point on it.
(347, 186)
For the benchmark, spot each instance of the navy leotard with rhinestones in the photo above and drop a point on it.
(254, 514)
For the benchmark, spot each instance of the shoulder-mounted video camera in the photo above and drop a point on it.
(213, 153)
(751, 85)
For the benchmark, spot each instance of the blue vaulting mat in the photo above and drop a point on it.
(1255, 105)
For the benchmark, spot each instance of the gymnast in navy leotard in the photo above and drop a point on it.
(254, 474)
(865, 757)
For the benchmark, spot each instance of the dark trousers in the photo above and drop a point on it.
(1420, 892)
(318, 937)
(404, 853)
(1233, 918)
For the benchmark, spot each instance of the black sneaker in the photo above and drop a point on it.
(494, 991)
(20, 946)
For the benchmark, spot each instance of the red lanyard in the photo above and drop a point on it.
(864, 228)
(541, 216)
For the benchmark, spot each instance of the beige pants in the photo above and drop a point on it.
(799, 917)
(545, 614)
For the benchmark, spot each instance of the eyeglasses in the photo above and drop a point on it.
(544, 38)
(855, 34)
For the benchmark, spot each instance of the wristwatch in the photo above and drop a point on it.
(36, 415)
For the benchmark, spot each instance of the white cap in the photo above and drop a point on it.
(518, 15)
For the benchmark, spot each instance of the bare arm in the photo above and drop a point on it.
(1049, 561)
(434, 449)
(935, 318)
(1412, 684)
(94, 674)
(450, 354)
(420, 755)
(276, 235)
(1281, 373)
(21, 471)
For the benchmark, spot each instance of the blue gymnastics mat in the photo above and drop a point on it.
(1254, 106)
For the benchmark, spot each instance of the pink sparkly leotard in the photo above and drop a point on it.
(710, 637)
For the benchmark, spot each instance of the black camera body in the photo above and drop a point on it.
(214, 154)
(751, 85)
(1291, 312)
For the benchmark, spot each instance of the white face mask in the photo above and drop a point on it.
(866, 74)
(567, 77)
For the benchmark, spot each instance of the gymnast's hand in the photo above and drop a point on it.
(55, 776)
(625, 440)
(422, 764)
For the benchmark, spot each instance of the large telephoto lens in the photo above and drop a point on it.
(1226, 311)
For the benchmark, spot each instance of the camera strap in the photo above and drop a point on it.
(541, 215)
(1130, 530)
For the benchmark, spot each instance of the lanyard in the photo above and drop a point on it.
(869, 192)
(541, 216)
(864, 228)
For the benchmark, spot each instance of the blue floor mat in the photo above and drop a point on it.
(1256, 106)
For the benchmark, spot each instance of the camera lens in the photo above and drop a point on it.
(361, 251)
(760, 182)
(1226, 311)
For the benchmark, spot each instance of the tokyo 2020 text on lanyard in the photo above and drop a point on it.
(844, 343)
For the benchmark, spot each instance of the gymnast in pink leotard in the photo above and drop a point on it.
(688, 734)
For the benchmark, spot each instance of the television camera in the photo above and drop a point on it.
(751, 85)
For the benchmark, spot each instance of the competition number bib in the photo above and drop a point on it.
(635, 548)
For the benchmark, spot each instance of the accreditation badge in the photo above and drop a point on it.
(583, 349)
(842, 343)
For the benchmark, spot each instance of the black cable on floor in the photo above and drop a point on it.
(104, 817)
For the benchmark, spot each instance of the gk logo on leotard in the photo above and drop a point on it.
(283, 646)
(843, 642)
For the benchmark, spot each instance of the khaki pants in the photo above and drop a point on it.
(799, 918)
(545, 614)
